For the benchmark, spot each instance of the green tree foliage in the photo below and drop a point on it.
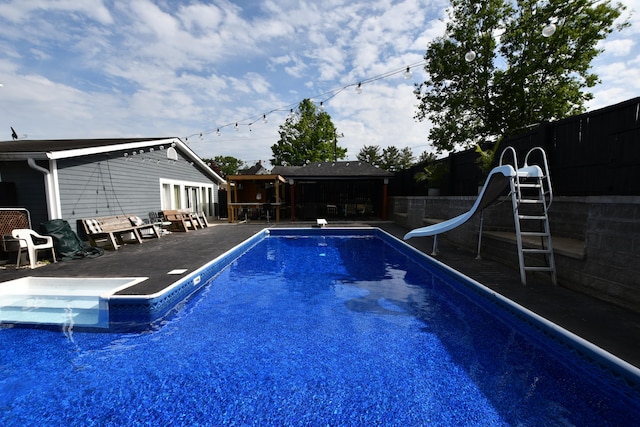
(371, 154)
(426, 156)
(394, 159)
(226, 164)
(390, 158)
(308, 136)
(495, 71)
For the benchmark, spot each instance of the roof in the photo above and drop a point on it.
(270, 177)
(343, 169)
(58, 145)
(284, 170)
(53, 149)
(256, 169)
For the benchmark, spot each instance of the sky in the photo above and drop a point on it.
(160, 68)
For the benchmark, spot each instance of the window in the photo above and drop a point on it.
(197, 197)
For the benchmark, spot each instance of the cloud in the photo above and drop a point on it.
(20, 11)
(141, 68)
(619, 47)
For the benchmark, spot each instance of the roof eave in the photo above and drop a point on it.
(40, 155)
(78, 152)
(194, 157)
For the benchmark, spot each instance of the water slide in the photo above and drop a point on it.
(498, 180)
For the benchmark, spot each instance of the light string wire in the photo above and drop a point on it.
(321, 99)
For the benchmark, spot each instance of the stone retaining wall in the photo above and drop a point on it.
(604, 229)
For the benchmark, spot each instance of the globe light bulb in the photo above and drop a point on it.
(359, 88)
(470, 56)
(407, 74)
(549, 29)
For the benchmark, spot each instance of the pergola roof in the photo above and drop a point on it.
(233, 178)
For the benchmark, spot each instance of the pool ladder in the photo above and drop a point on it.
(531, 197)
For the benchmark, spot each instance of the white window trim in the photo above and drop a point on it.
(182, 185)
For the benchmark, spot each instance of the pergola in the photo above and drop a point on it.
(254, 192)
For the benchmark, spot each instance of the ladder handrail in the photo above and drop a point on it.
(547, 175)
(513, 153)
(539, 172)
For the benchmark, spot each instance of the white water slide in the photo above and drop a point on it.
(498, 180)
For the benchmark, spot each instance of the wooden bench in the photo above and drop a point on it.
(113, 229)
(182, 220)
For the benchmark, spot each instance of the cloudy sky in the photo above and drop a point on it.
(141, 68)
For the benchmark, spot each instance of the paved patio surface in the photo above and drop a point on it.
(610, 327)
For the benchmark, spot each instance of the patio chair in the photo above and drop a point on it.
(32, 242)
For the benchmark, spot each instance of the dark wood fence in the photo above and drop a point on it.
(592, 154)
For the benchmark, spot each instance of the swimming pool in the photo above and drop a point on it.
(310, 327)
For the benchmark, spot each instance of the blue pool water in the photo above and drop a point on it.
(321, 330)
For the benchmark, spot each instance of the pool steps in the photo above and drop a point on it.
(60, 301)
(80, 310)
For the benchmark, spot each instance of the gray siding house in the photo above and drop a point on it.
(73, 179)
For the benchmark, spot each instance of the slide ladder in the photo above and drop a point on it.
(531, 197)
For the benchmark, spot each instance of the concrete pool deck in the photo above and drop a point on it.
(612, 328)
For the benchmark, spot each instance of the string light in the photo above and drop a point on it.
(470, 56)
(323, 98)
(549, 30)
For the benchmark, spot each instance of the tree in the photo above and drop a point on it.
(226, 164)
(426, 156)
(370, 154)
(390, 158)
(394, 159)
(495, 71)
(307, 136)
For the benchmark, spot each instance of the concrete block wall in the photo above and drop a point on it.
(613, 250)
(607, 227)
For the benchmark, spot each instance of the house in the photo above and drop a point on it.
(79, 178)
(344, 189)
(257, 169)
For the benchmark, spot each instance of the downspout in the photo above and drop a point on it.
(52, 206)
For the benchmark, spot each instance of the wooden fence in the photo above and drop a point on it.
(592, 154)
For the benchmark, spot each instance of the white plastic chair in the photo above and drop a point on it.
(28, 238)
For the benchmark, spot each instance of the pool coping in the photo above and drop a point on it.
(138, 311)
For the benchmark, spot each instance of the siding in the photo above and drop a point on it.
(112, 184)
